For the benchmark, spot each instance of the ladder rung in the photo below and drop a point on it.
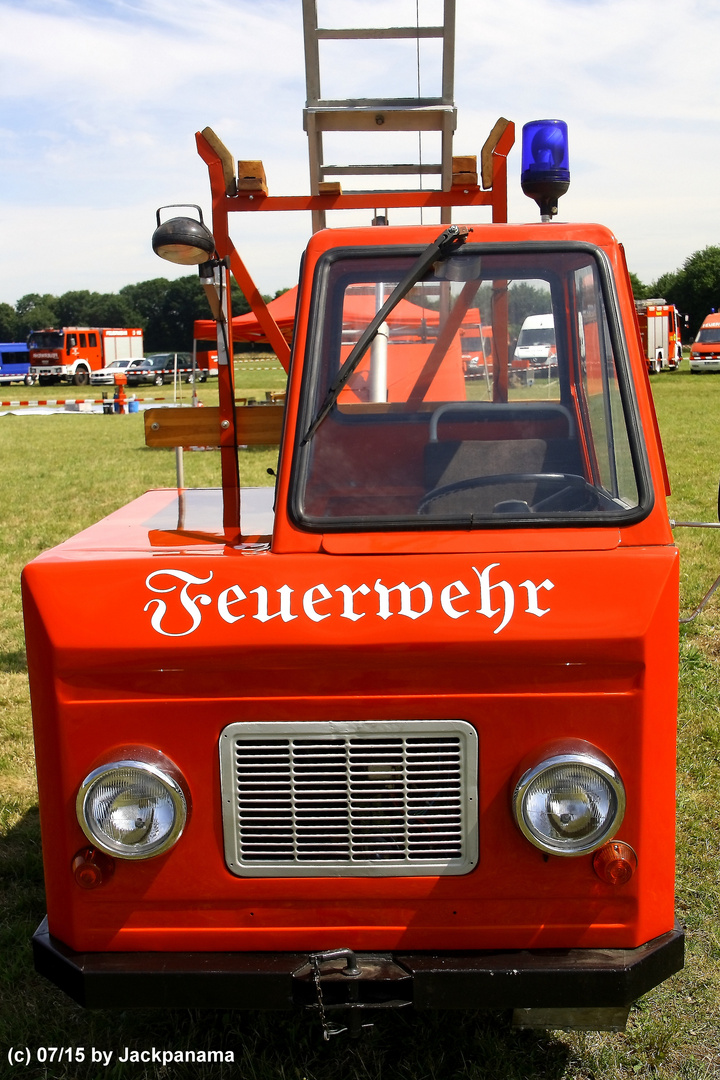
(386, 104)
(387, 191)
(382, 32)
(380, 118)
(380, 170)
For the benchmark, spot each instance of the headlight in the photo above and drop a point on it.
(570, 803)
(131, 809)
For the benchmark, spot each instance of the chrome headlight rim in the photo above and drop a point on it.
(593, 759)
(118, 850)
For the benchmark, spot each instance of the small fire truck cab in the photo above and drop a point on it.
(705, 350)
(400, 731)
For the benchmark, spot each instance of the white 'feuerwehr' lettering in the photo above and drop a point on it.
(447, 597)
(233, 595)
(406, 592)
(348, 611)
(283, 611)
(309, 602)
(319, 603)
(532, 591)
(190, 603)
(486, 590)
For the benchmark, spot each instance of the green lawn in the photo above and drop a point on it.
(59, 474)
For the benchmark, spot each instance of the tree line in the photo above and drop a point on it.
(166, 311)
(694, 289)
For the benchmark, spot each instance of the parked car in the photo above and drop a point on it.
(161, 367)
(106, 375)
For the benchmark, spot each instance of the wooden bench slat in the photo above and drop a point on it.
(257, 425)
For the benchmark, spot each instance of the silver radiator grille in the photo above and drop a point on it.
(368, 798)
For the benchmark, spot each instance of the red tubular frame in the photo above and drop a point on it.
(223, 204)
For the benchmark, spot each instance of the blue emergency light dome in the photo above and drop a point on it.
(545, 172)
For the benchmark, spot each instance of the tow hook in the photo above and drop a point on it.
(354, 1025)
(352, 985)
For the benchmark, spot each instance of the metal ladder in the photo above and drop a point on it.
(376, 114)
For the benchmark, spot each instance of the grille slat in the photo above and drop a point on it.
(365, 798)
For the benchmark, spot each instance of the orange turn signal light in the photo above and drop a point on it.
(92, 867)
(615, 863)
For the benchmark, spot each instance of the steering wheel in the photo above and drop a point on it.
(582, 495)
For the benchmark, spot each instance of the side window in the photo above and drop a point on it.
(603, 409)
(83, 341)
(71, 342)
(92, 341)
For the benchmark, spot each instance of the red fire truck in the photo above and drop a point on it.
(660, 331)
(72, 353)
(401, 729)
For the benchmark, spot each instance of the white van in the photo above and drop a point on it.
(536, 342)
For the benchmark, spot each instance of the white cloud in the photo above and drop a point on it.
(100, 99)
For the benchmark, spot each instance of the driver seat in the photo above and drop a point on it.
(450, 462)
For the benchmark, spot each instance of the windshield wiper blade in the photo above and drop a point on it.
(448, 242)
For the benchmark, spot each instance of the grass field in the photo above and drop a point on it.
(59, 474)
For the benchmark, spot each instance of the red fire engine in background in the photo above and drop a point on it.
(70, 354)
(660, 331)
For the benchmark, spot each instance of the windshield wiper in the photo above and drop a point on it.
(446, 244)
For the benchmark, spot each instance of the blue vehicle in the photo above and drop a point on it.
(15, 363)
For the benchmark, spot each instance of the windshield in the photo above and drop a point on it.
(709, 336)
(46, 339)
(536, 336)
(431, 431)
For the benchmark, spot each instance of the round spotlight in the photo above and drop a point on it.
(570, 803)
(131, 809)
(183, 240)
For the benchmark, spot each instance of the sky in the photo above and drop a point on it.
(100, 101)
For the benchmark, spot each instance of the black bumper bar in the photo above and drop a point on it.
(514, 979)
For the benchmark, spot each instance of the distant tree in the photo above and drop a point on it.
(168, 309)
(34, 312)
(72, 308)
(35, 300)
(640, 291)
(697, 289)
(110, 309)
(664, 287)
(240, 305)
(8, 323)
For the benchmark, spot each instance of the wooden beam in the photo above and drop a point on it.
(257, 425)
(251, 176)
(226, 159)
(486, 154)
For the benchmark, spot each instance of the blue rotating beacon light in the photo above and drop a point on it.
(545, 171)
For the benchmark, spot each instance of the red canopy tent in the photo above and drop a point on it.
(247, 327)
(357, 312)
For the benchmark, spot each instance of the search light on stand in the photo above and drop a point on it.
(183, 240)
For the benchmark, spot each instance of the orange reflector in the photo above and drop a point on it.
(615, 863)
(91, 868)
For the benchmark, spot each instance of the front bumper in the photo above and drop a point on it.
(517, 979)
